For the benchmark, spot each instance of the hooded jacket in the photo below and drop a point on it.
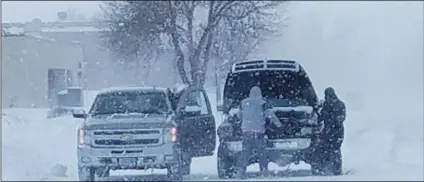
(254, 113)
(334, 110)
(333, 114)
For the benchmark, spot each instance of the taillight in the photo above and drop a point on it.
(174, 134)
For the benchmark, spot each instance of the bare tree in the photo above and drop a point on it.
(194, 30)
(234, 45)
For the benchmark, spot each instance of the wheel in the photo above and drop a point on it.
(103, 172)
(175, 172)
(331, 165)
(86, 173)
(225, 168)
(186, 165)
(316, 169)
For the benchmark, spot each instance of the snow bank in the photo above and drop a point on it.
(40, 148)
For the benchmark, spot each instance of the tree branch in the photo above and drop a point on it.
(175, 41)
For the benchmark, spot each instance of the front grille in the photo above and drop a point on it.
(134, 132)
(127, 142)
(121, 138)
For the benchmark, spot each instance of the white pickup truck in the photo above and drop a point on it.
(140, 128)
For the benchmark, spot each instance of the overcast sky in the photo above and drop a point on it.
(21, 11)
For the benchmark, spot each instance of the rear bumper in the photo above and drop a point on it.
(303, 151)
(154, 157)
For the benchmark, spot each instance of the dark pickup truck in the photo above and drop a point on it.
(288, 90)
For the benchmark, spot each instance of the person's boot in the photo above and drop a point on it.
(264, 172)
(240, 173)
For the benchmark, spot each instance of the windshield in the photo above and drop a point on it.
(275, 85)
(130, 102)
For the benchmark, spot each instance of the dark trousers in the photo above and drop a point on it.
(331, 149)
(254, 145)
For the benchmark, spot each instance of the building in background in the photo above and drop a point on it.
(35, 53)
(26, 60)
(30, 50)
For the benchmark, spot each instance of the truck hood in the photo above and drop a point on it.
(130, 122)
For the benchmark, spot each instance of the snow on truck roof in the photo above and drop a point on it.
(132, 89)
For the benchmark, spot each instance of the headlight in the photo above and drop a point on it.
(312, 119)
(83, 138)
(225, 130)
(170, 134)
(318, 129)
(306, 131)
(173, 134)
(224, 117)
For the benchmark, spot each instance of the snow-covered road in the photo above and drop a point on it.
(376, 147)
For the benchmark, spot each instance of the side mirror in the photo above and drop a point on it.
(220, 108)
(79, 113)
(192, 110)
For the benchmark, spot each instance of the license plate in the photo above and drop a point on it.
(235, 146)
(127, 162)
(286, 145)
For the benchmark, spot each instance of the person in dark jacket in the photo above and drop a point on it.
(254, 113)
(333, 114)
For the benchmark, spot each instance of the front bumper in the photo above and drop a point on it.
(154, 157)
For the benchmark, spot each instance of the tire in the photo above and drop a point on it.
(186, 165)
(317, 170)
(225, 168)
(331, 167)
(86, 173)
(175, 172)
(102, 173)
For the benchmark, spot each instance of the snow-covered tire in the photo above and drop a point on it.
(225, 165)
(316, 169)
(332, 167)
(225, 169)
(175, 172)
(101, 172)
(86, 173)
(186, 166)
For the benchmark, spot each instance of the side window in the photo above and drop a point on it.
(197, 98)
